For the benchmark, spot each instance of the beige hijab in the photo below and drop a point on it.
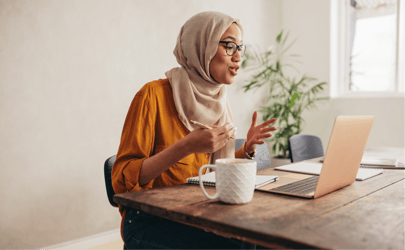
(197, 96)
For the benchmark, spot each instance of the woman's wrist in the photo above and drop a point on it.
(248, 155)
(186, 145)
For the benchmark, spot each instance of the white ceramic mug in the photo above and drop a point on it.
(234, 180)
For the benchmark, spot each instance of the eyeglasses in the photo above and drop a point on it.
(231, 48)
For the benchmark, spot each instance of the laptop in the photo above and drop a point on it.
(341, 162)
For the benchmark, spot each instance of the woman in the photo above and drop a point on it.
(159, 144)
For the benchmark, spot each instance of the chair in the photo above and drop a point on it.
(108, 165)
(304, 147)
(107, 176)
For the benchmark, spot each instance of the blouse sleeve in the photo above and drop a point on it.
(136, 145)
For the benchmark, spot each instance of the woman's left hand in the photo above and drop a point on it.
(258, 132)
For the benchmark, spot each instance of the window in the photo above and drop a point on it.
(367, 47)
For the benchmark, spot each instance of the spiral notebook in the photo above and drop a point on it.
(209, 179)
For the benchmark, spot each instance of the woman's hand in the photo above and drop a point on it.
(202, 140)
(258, 132)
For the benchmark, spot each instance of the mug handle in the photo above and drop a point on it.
(201, 183)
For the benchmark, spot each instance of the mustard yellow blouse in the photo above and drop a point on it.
(151, 125)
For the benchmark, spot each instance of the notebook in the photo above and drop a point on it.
(378, 162)
(315, 168)
(342, 159)
(209, 179)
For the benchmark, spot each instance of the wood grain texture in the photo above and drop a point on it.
(269, 219)
(159, 201)
(376, 221)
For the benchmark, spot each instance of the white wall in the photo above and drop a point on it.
(68, 72)
(309, 21)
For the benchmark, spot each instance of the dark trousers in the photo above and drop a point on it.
(145, 231)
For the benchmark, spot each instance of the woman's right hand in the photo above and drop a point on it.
(202, 140)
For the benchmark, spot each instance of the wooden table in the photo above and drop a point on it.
(365, 214)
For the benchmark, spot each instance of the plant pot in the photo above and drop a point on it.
(276, 162)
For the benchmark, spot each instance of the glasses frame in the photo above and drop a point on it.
(238, 48)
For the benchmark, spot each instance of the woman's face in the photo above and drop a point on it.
(224, 68)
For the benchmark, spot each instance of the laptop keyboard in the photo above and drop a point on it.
(304, 186)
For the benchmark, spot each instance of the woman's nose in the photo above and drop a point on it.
(236, 57)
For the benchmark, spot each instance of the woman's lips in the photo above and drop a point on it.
(233, 71)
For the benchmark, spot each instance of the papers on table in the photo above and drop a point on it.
(378, 162)
(315, 169)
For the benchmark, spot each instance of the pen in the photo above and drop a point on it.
(200, 124)
(207, 127)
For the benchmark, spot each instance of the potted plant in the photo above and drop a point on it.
(287, 96)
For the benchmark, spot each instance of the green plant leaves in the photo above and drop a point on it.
(267, 68)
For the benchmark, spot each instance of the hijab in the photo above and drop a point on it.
(197, 96)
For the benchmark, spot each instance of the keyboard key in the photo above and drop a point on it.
(304, 186)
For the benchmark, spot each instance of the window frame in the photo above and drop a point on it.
(340, 54)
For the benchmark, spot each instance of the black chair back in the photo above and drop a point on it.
(108, 165)
(304, 147)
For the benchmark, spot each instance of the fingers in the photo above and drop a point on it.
(221, 135)
(258, 141)
(224, 138)
(264, 136)
(201, 125)
(227, 135)
(254, 119)
(268, 122)
(267, 129)
(223, 129)
(211, 140)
